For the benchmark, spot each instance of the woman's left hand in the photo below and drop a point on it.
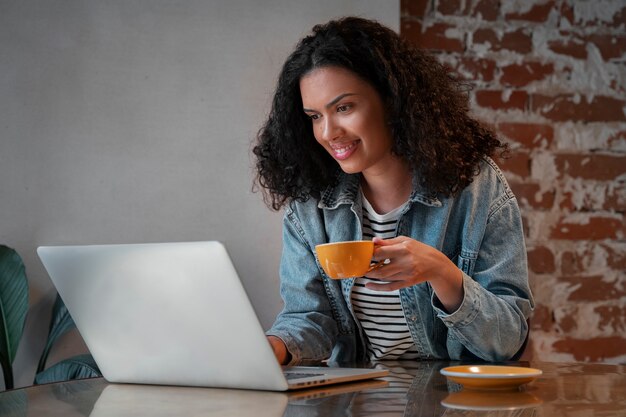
(411, 262)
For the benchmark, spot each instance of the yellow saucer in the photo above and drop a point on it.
(490, 400)
(490, 376)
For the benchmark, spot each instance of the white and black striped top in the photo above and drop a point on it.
(390, 400)
(380, 312)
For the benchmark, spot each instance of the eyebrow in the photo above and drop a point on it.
(333, 101)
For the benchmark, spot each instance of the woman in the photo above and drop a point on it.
(370, 138)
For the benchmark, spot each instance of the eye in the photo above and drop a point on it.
(313, 116)
(342, 108)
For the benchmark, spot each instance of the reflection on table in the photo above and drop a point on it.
(412, 389)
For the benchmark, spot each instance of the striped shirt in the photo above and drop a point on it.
(379, 313)
(392, 399)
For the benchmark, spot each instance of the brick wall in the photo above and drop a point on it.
(550, 77)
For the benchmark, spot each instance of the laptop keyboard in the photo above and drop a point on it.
(295, 375)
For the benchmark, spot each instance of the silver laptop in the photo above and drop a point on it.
(173, 314)
(160, 401)
(155, 400)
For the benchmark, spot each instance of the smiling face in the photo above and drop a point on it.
(348, 119)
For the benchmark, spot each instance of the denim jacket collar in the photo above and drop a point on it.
(346, 190)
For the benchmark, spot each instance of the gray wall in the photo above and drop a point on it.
(132, 121)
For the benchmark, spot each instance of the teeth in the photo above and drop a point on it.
(343, 149)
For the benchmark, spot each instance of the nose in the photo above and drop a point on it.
(328, 130)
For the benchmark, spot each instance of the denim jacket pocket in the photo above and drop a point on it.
(466, 261)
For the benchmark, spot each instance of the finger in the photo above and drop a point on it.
(390, 249)
(378, 243)
(387, 273)
(386, 242)
(382, 253)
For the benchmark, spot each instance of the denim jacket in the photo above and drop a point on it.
(479, 229)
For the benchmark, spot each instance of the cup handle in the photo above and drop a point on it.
(375, 266)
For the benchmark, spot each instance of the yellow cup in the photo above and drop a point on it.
(346, 259)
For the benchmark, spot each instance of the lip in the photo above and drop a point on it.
(344, 150)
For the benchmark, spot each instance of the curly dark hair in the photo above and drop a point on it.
(427, 109)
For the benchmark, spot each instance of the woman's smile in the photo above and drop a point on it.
(342, 151)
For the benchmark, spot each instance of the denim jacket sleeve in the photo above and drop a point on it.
(492, 320)
(306, 324)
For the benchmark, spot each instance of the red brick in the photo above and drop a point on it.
(493, 99)
(591, 166)
(479, 69)
(596, 228)
(519, 75)
(519, 40)
(613, 199)
(566, 107)
(541, 260)
(574, 263)
(517, 163)
(530, 135)
(414, 8)
(542, 318)
(567, 12)
(574, 47)
(617, 87)
(485, 35)
(448, 7)
(592, 288)
(566, 323)
(529, 196)
(566, 203)
(537, 13)
(488, 9)
(592, 350)
(618, 21)
(610, 46)
(434, 37)
(617, 140)
(619, 18)
(612, 317)
(616, 258)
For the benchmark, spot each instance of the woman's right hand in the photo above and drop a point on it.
(280, 350)
(413, 262)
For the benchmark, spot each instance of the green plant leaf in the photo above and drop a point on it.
(76, 367)
(13, 308)
(14, 404)
(79, 395)
(60, 323)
